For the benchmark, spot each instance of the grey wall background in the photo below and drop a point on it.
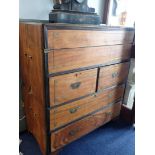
(39, 9)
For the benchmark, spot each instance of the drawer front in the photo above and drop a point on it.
(70, 86)
(65, 114)
(84, 126)
(113, 75)
(58, 39)
(85, 57)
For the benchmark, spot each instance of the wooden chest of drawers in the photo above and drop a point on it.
(73, 79)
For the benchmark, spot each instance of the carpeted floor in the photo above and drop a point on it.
(114, 138)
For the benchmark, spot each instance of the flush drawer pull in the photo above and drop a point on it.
(75, 85)
(56, 34)
(111, 95)
(114, 75)
(74, 110)
(109, 113)
(74, 132)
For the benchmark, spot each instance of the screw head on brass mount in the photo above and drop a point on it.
(73, 12)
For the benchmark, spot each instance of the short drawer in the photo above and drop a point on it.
(71, 86)
(113, 75)
(58, 39)
(69, 59)
(84, 126)
(65, 114)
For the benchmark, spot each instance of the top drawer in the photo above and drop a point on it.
(58, 39)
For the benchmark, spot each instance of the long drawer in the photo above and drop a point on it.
(58, 39)
(71, 86)
(113, 75)
(62, 115)
(84, 126)
(69, 59)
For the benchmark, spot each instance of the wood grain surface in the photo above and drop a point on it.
(76, 97)
(84, 126)
(113, 75)
(32, 75)
(70, 86)
(67, 113)
(69, 59)
(58, 39)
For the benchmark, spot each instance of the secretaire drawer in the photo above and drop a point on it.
(69, 59)
(60, 116)
(58, 39)
(84, 126)
(113, 75)
(71, 86)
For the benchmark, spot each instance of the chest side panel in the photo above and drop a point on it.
(32, 75)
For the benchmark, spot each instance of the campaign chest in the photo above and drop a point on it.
(73, 79)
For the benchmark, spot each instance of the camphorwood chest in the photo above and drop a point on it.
(73, 79)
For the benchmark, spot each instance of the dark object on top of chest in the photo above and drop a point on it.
(73, 5)
(73, 12)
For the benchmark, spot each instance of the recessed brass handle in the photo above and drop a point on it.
(75, 85)
(74, 132)
(114, 75)
(110, 95)
(108, 114)
(56, 34)
(74, 110)
(94, 95)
